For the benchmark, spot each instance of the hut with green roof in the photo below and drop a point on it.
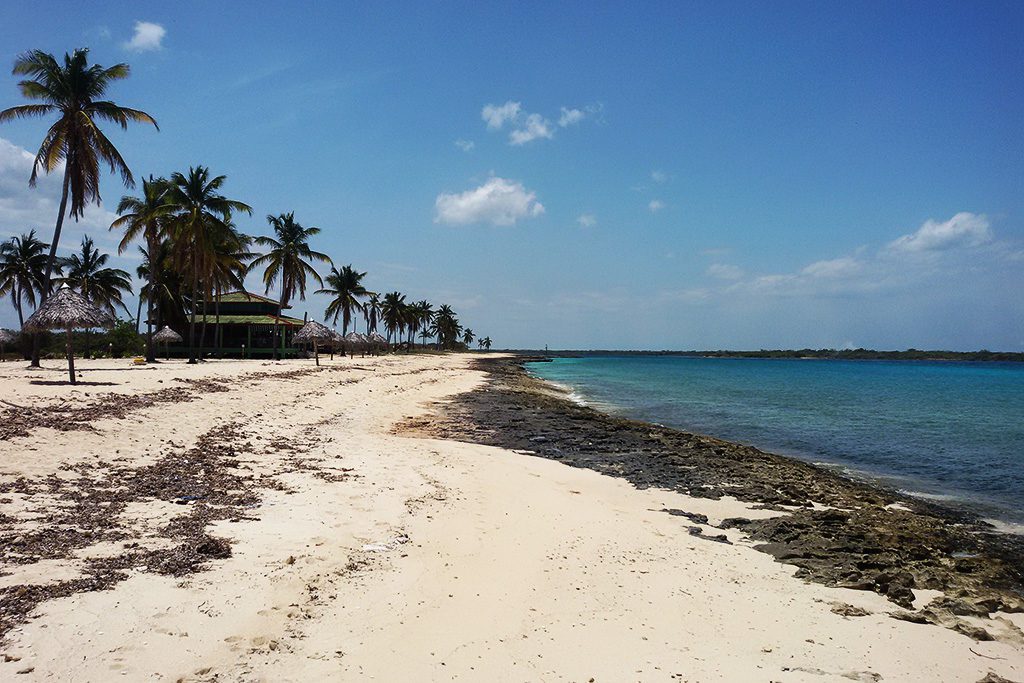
(243, 323)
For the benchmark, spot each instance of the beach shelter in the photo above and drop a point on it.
(313, 332)
(166, 336)
(378, 341)
(66, 310)
(354, 340)
(6, 337)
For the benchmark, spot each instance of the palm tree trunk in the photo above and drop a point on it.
(192, 322)
(218, 335)
(47, 282)
(71, 356)
(150, 349)
(277, 321)
(202, 333)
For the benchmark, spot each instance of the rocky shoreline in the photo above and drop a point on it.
(838, 532)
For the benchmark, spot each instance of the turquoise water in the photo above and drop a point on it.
(952, 431)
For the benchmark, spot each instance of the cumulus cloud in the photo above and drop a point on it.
(148, 36)
(465, 145)
(725, 271)
(497, 116)
(655, 205)
(570, 117)
(498, 202)
(834, 268)
(587, 220)
(526, 127)
(962, 230)
(23, 208)
(533, 127)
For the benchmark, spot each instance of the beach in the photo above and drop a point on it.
(438, 517)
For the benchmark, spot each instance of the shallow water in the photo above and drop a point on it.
(941, 430)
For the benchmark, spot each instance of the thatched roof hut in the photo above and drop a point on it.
(167, 336)
(66, 310)
(316, 333)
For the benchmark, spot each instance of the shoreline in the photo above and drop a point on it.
(958, 501)
(839, 530)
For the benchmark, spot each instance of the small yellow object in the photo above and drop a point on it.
(139, 360)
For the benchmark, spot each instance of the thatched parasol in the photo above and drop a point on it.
(316, 333)
(66, 309)
(6, 337)
(166, 336)
(354, 340)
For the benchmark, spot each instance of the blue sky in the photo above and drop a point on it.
(674, 175)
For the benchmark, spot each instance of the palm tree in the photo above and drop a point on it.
(228, 270)
(22, 271)
(200, 221)
(446, 326)
(104, 287)
(346, 287)
(145, 215)
(74, 90)
(392, 313)
(288, 261)
(371, 312)
(468, 336)
(485, 343)
(423, 313)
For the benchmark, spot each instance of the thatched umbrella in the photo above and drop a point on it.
(316, 333)
(354, 340)
(66, 310)
(167, 335)
(6, 337)
(379, 341)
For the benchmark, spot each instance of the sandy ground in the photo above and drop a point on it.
(432, 560)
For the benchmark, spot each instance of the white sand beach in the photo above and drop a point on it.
(386, 557)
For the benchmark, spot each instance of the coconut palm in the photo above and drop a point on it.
(102, 286)
(371, 312)
(485, 343)
(423, 313)
(393, 314)
(289, 260)
(22, 271)
(346, 287)
(228, 271)
(468, 336)
(75, 92)
(145, 216)
(200, 218)
(446, 326)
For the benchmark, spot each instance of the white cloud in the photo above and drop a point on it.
(570, 117)
(533, 127)
(834, 268)
(498, 202)
(148, 36)
(655, 205)
(587, 220)
(659, 176)
(497, 116)
(465, 145)
(962, 230)
(23, 208)
(725, 271)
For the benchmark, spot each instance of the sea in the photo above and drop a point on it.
(944, 431)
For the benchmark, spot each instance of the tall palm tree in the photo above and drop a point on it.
(485, 343)
(289, 260)
(22, 271)
(145, 215)
(87, 272)
(227, 271)
(423, 313)
(75, 92)
(371, 312)
(446, 326)
(200, 221)
(392, 313)
(468, 336)
(346, 287)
